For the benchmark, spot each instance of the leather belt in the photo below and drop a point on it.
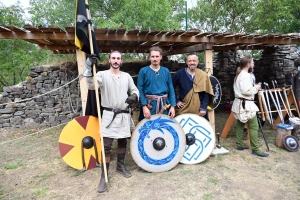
(115, 111)
(243, 101)
(160, 100)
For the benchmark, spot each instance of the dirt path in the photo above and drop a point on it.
(32, 168)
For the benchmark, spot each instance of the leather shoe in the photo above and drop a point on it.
(262, 154)
(242, 148)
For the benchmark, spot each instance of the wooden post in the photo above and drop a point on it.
(83, 89)
(208, 57)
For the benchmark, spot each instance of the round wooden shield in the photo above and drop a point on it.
(157, 144)
(204, 136)
(74, 149)
(217, 91)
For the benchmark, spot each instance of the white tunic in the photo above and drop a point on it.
(114, 92)
(243, 88)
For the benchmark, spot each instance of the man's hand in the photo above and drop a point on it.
(132, 99)
(172, 112)
(92, 59)
(180, 104)
(202, 113)
(146, 112)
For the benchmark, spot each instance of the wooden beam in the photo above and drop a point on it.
(82, 82)
(288, 39)
(193, 48)
(208, 63)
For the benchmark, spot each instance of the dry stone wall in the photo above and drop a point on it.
(277, 63)
(26, 105)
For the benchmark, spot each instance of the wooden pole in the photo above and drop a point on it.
(97, 94)
(83, 89)
(208, 57)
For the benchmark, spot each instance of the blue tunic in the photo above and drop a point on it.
(151, 83)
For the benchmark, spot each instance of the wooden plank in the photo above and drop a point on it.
(228, 125)
(4, 29)
(15, 29)
(80, 55)
(208, 63)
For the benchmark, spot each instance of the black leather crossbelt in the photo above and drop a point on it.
(115, 111)
(243, 102)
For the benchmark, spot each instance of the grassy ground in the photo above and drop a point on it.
(32, 168)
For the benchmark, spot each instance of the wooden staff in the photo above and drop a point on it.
(97, 93)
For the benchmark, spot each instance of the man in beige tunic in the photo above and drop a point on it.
(118, 91)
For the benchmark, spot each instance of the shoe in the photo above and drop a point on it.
(102, 187)
(262, 154)
(242, 148)
(121, 167)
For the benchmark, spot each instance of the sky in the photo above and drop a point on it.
(25, 3)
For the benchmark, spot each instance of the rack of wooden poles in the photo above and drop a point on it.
(282, 99)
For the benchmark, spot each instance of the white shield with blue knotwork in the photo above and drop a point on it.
(204, 138)
(157, 144)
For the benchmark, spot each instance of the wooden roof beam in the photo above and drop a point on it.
(193, 48)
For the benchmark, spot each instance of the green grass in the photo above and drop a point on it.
(44, 176)
(13, 166)
(207, 197)
(1, 192)
(214, 181)
(41, 192)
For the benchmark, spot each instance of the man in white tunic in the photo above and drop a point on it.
(118, 92)
(244, 108)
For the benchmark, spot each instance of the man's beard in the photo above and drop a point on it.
(111, 65)
(250, 69)
(192, 68)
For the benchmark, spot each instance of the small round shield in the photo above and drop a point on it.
(79, 143)
(157, 144)
(291, 143)
(217, 91)
(205, 138)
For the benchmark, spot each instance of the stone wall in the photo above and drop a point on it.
(277, 63)
(18, 107)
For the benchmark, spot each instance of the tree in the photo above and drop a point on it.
(52, 13)
(279, 16)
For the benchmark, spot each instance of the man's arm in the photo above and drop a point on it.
(140, 86)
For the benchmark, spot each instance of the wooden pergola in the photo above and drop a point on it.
(139, 41)
(61, 41)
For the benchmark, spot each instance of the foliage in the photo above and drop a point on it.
(52, 13)
(141, 14)
(251, 16)
(279, 16)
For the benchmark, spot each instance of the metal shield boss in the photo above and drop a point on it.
(79, 143)
(157, 144)
(199, 128)
(291, 143)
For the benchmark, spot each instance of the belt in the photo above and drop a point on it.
(160, 100)
(243, 101)
(115, 111)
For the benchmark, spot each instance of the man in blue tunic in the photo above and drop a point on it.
(154, 83)
(195, 90)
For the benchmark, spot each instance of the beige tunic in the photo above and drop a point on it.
(114, 92)
(243, 88)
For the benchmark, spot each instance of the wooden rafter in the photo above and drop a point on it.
(139, 41)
